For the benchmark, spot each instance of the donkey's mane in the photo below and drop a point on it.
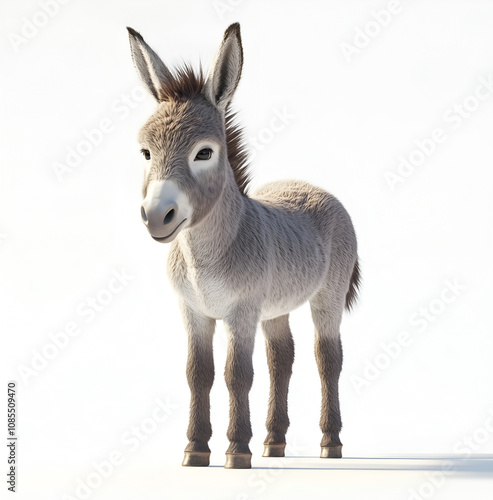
(186, 84)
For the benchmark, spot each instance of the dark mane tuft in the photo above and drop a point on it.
(186, 84)
(237, 152)
(183, 84)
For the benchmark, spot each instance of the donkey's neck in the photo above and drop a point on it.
(212, 237)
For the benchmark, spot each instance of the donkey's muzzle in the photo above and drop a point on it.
(168, 218)
(164, 210)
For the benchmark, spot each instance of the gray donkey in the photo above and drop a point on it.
(237, 257)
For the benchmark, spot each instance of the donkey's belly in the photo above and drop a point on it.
(288, 285)
(289, 293)
(216, 300)
(215, 296)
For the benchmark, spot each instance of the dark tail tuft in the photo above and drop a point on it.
(354, 284)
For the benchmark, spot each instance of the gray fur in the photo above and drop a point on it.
(280, 356)
(245, 259)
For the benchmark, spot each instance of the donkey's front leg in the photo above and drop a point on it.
(200, 376)
(240, 329)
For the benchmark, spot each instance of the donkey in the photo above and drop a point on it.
(238, 257)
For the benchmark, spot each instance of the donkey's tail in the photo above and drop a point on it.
(354, 284)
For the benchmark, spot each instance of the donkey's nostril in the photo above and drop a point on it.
(169, 216)
(143, 214)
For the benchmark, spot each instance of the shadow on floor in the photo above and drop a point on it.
(478, 465)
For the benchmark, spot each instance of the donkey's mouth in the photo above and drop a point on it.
(170, 236)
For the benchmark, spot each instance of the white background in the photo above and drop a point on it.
(62, 238)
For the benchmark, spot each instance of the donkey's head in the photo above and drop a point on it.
(185, 142)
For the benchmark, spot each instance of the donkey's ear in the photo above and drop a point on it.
(151, 69)
(225, 72)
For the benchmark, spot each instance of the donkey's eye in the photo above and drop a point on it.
(204, 154)
(146, 153)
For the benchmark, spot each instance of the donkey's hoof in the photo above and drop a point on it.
(274, 450)
(331, 451)
(238, 461)
(196, 458)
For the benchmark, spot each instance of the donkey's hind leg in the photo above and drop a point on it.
(280, 356)
(327, 313)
